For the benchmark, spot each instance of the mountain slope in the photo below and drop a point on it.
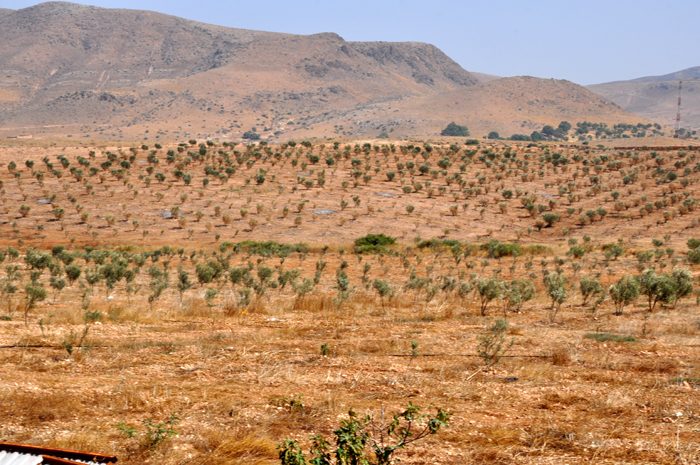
(517, 105)
(684, 75)
(656, 97)
(99, 73)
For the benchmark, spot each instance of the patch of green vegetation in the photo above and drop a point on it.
(455, 130)
(270, 248)
(437, 243)
(498, 249)
(537, 249)
(373, 243)
(605, 337)
(682, 379)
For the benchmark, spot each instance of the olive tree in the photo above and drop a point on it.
(555, 284)
(34, 293)
(589, 288)
(624, 292)
(657, 288)
(517, 292)
(488, 290)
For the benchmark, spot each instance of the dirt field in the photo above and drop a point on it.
(262, 342)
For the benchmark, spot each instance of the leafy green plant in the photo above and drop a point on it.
(517, 292)
(498, 249)
(154, 433)
(488, 290)
(361, 441)
(657, 288)
(624, 292)
(555, 284)
(7, 286)
(492, 342)
(373, 243)
(589, 288)
(343, 287)
(34, 293)
(383, 289)
(455, 130)
(306, 286)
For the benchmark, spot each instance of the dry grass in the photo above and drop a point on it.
(218, 449)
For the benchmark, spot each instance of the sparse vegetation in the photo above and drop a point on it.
(199, 302)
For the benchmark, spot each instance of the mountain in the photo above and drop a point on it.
(656, 97)
(71, 70)
(685, 75)
(516, 105)
(483, 77)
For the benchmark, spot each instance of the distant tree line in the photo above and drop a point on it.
(455, 130)
(584, 131)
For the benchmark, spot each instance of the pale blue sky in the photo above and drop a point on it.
(587, 42)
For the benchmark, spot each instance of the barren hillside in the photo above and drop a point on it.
(154, 76)
(656, 97)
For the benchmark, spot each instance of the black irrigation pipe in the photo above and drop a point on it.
(291, 353)
(307, 354)
(40, 346)
(463, 355)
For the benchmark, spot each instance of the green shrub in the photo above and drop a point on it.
(155, 433)
(498, 249)
(657, 288)
(269, 248)
(373, 243)
(356, 437)
(435, 244)
(537, 249)
(576, 251)
(624, 292)
(550, 218)
(605, 337)
(455, 130)
(517, 292)
(694, 256)
(589, 288)
(488, 290)
(555, 284)
(492, 342)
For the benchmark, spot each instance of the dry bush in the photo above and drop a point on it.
(659, 365)
(235, 449)
(262, 306)
(615, 403)
(316, 304)
(121, 313)
(491, 456)
(682, 329)
(196, 307)
(66, 314)
(381, 346)
(86, 439)
(561, 356)
(40, 408)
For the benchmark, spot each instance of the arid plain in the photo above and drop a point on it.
(180, 306)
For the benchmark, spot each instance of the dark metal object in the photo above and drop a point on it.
(53, 453)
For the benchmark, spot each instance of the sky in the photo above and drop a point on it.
(587, 42)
